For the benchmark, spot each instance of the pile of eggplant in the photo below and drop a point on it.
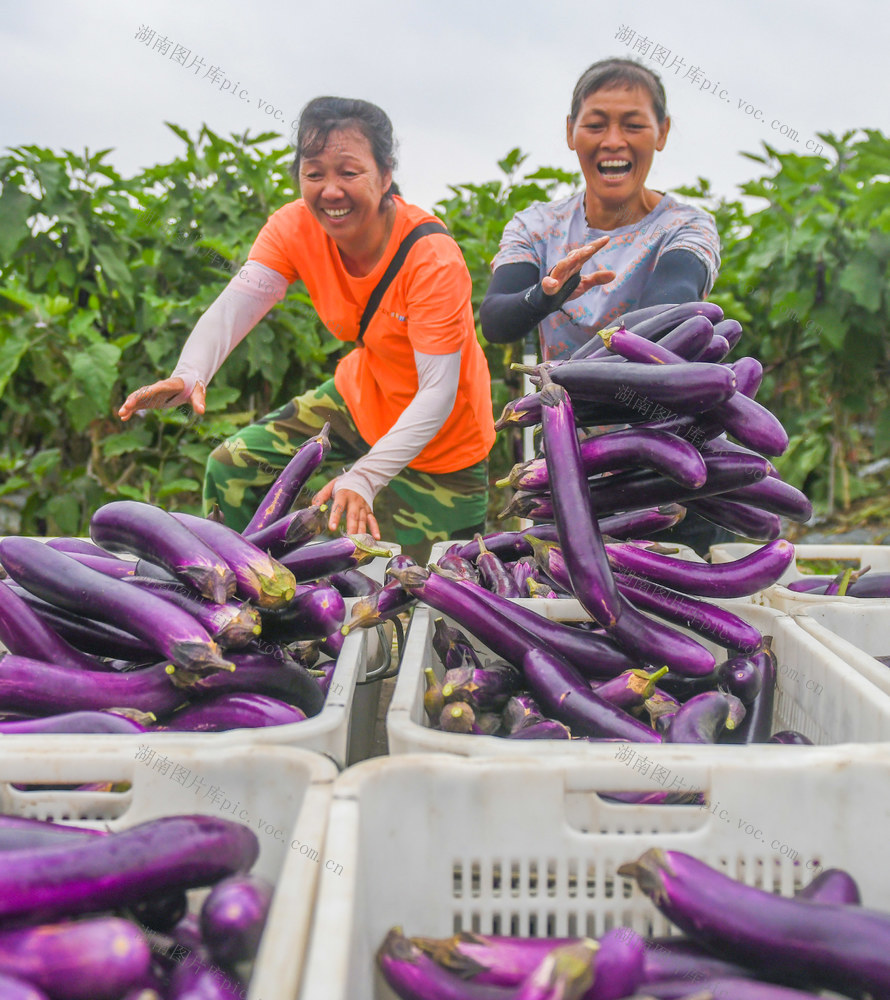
(583, 688)
(167, 621)
(87, 914)
(847, 583)
(595, 500)
(742, 943)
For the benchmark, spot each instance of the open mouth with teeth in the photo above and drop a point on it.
(336, 213)
(614, 168)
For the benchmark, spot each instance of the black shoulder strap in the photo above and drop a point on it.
(424, 229)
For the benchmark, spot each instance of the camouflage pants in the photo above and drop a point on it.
(414, 509)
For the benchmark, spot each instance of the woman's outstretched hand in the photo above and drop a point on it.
(352, 507)
(160, 395)
(572, 264)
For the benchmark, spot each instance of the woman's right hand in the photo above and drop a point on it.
(160, 395)
(572, 264)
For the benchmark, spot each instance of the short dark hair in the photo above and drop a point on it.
(323, 115)
(611, 72)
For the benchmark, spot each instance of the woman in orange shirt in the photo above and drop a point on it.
(410, 405)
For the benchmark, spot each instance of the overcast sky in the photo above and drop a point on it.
(463, 80)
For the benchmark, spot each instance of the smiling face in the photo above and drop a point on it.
(615, 137)
(344, 188)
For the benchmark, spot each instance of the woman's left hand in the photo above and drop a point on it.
(352, 507)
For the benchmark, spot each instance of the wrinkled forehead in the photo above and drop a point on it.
(343, 139)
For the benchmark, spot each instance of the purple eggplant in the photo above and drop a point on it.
(579, 535)
(81, 545)
(318, 559)
(493, 573)
(757, 724)
(522, 412)
(751, 423)
(198, 977)
(94, 959)
(458, 567)
(720, 988)
(413, 975)
(790, 737)
(775, 496)
(832, 885)
(522, 571)
(740, 518)
(173, 852)
(24, 632)
(678, 958)
(563, 693)
(596, 656)
(45, 688)
(75, 722)
(700, 720)
(233, 917)
(18, 832)
(873, 585)
(390, 601)
(546, 729)
(630, 689)
(692, 336)
(644, 638)
(730, 329)
(485, 688)
(704, 619)
(452, 647)
(490, 959)
(846, 947)
(739, 578)
(231, 625)
(661, 706)
(150, 532)
(716, 351)
(508, 545)
(224, 712)
(59, 579)
(110, 565)
(291, 531)
(666, 453)
(657, 325)
(741, 677)
(12, 988)
(259, 577)
(286, 488)
(625, 491)
(565, 974)
(520, 711)
(354, 583)
(312, 614)
(99, 639)
(273, 673)
(638, 523)
(688, 387)
(457, 717)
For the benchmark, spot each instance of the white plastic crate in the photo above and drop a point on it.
(340, 730)
(817, 693)
(779, 596)
(437, 844)
(857, 634)
(281, 793)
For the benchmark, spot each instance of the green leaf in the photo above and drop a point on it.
(863, 279)
(15, 208)
(125, 442)
(184, 485)
(13, 347)
(95, 368)
(115, 270)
